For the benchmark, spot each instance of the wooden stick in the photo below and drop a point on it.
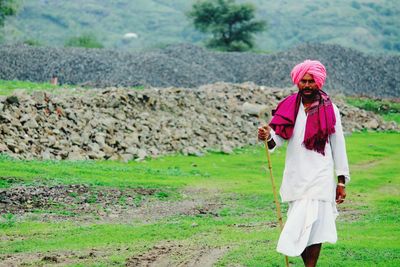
(277, 204)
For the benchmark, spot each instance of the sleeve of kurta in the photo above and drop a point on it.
(278, 140)
(338, 146)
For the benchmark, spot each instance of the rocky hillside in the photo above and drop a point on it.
(130, 124)
(349, 71)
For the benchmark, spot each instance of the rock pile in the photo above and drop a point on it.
(131, 124)
(349, 71)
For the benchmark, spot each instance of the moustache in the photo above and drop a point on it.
(308, 90)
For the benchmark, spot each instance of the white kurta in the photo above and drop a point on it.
(309, 186)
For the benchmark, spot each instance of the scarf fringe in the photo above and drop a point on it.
(317, 142)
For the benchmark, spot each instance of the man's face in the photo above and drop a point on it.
(307, 86)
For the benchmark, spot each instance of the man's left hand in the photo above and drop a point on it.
(340, 194)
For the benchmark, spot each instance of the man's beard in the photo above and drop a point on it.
(312, 93)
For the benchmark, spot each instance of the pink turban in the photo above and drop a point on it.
(313, 67)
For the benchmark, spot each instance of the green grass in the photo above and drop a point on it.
(377, 105)
(8, 87)
(392, 117)
(389, 110)
(370, 238)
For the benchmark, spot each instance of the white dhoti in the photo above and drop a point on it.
(309, 222)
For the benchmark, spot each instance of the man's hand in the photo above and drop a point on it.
(340, 194)
(264, 133)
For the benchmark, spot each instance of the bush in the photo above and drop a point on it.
(32, 42)
(7, 220)
(86, 41)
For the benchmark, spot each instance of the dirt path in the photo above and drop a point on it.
(367, 165)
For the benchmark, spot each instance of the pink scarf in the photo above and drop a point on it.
(320, 120)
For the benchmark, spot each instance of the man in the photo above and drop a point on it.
(311, 124)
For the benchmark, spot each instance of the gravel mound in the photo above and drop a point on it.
(185, 65)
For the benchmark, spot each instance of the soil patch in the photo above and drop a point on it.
(88, 204)
(257, 225)
(68, 197)
(350, 211)
(60, 258)
(173, 254)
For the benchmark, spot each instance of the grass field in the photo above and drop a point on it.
(184, 210)
(9, 87)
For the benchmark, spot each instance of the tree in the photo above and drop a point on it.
(232, 25)
(86, 41)
(7, 8)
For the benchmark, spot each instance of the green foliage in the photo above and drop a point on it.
(32, 42)
(378, 106)
(390, 110)
(7, 220)
(231, 25)
(7, 8)
(162, 195)
(392, 117)
(85, 40)
(92, 198)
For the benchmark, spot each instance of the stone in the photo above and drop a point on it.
(38, 96)
(255, 109)
(372, 124)
(75, 138)
(76, 155)
(94, 147)
(126, 157)
(3, 147)
(96, 155)
(227, 149)
(46, 155)
(191, 151)
(141, 154)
